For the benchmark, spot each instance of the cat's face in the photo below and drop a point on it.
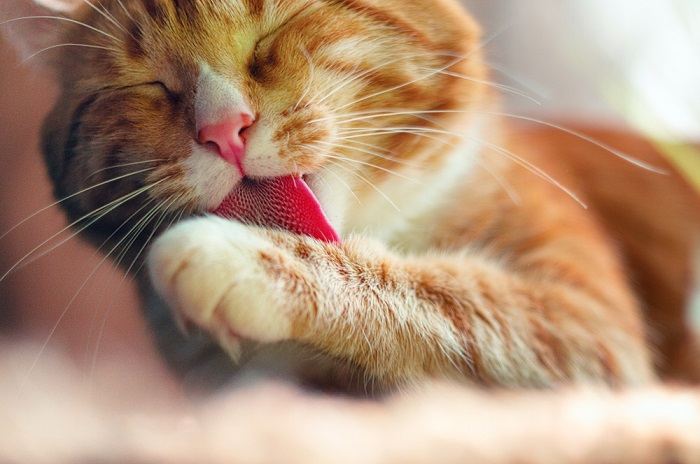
(180, 99)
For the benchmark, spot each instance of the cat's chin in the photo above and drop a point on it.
(281, 202)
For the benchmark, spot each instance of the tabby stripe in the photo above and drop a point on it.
(255, 7)
(382, 16)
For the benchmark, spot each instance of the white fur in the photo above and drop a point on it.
(217, 97)
(262, 154)
(209, 176)
(237, 294)
(412, 201)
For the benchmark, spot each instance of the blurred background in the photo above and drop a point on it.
(616, 62)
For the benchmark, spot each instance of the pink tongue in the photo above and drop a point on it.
(282, 202)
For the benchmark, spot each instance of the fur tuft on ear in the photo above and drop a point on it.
(29, 24)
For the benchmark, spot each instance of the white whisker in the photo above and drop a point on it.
(109, 208)
(63, 18)
(52, 47)
(116, 166)
(624, 156)
(368, 182)
(73, 195)
(105, 14)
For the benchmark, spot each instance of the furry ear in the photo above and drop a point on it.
(29, 26)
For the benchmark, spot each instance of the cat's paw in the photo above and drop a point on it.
(215, 273)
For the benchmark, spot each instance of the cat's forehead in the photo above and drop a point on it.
(217, 32)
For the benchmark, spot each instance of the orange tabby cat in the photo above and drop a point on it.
(355, 193)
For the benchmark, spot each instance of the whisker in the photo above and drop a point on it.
(127, 12)
(135, 163)
(52, 47)
(73, 195)
(364, 163)
(105, 14)
(533, 169)
(104, 243)
(503, 183)
(400, 86)
(343, 183)
(457, 60)
(63, 18)
(354, 78)
(624, 156)
(372, 146)
(495, 85)
(109, 208)
(371, 153)
(389, 132)
(307, 88)
(368, 182)
(163, 214)
(517, 159)
(75, 296)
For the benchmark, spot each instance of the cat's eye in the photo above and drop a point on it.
(173, 96)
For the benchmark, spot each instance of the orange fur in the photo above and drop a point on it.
(487, 273)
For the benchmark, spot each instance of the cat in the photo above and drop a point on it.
(329, 188)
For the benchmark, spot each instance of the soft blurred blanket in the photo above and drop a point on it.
(53, 416)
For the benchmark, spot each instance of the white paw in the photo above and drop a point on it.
(210, 272)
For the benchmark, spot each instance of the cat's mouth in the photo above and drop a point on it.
(279, 202)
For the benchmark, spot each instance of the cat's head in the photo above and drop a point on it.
(168, 103)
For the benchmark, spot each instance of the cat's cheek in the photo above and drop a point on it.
(210, 272)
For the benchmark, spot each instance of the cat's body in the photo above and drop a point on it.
(466, 250)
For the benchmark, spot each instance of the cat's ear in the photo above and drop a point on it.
(31, 25)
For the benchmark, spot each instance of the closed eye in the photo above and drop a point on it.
(173, 96)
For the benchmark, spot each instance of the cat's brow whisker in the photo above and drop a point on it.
(126, 11)
(63, 18)
(52, 47)
(106, 15)
(106, 208)
(73, 195)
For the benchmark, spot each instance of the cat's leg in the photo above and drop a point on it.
(397, 318)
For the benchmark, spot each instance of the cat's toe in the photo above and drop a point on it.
(210, 272)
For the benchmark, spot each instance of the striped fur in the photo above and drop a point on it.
(457, 262)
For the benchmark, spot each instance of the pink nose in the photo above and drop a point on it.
(228, 137)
